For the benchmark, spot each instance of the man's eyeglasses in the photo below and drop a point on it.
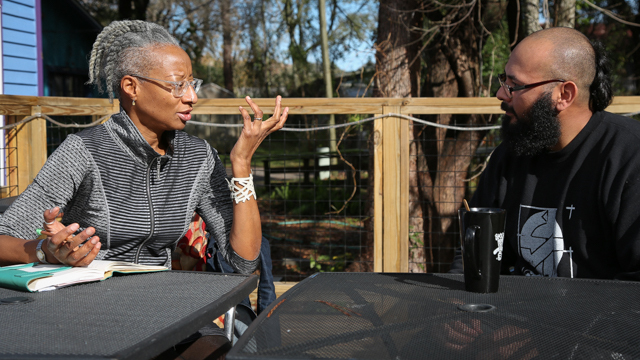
(179, 87)
(502, 78)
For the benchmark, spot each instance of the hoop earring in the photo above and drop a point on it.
(134, 102)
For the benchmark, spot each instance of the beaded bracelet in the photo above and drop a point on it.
(243, 193)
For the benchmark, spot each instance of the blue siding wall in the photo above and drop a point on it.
(20, 47)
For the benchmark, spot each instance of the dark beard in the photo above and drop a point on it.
(534, 132)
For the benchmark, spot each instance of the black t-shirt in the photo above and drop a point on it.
(571, 213)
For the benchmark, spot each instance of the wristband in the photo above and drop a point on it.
(243, 193)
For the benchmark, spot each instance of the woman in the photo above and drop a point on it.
(132, 184)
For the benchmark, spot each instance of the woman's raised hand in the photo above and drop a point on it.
(255, 131)
(64, 246)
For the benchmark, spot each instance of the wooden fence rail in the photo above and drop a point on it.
(26, 145)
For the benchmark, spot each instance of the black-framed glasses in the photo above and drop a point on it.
(502, 78)
(179, 87)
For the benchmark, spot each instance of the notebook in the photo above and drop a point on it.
(43, 277)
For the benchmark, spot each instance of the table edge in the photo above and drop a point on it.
(148, 348)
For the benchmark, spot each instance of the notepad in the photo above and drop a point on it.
(43, 277)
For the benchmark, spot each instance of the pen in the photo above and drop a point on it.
(43, 232)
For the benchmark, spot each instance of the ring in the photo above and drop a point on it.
(257, 119)
(49, 223)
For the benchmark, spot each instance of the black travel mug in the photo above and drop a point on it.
(482, 237)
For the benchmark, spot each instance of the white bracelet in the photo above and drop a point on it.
(243, 193)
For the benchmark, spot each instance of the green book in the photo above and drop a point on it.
(44, 277)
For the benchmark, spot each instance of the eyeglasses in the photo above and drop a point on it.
(179, 87)
(502, 78)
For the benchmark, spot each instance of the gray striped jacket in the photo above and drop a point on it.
(139, 202)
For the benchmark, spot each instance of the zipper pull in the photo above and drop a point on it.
(159, 167)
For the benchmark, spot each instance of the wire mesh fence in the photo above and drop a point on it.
(315, 205)
(315, 192)
(313, 202)
(444, 173)
(56, 134)
(7, 169)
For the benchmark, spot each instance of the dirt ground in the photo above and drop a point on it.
(302, 247)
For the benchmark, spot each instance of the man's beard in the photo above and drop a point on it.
(535, 131)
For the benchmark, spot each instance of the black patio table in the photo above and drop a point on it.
(424, 316)
(134, 316)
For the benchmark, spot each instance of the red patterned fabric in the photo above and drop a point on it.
(191, 250)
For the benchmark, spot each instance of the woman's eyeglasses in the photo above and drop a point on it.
(179, 87)
(502, 78)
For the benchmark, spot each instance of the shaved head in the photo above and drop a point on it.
(567, 54)
(571, 56)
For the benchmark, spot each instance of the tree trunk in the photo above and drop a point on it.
(513, 21)
(439, 158)
(125, 12)
(442, 157)
(394, 54)
(296, 47)
(565, 13)
(265, 51)
(523, 17)
(635, 51)
(530, 17)
(257, 63)
(326, 67)
(227, 44)
(398, 68)
(132, 9)
(141, 9)
(636, 54)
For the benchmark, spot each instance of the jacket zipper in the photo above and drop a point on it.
(153, 225)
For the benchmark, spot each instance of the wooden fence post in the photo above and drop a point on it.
(376, 157)
(27, 149)
(404, 195)
(393, 176)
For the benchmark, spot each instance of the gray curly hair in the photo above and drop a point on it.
(125, 48)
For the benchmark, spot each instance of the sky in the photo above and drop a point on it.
(360, 51)
(353, 60)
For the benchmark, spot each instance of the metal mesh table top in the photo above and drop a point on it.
(425, 316)
(134, 316)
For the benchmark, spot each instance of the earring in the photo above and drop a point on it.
(134, 102)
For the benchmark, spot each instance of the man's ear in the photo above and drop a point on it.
(129, 87)
(567, 96)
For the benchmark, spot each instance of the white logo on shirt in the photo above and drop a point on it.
(540, 240)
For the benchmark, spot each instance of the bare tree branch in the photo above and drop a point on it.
(610, 14)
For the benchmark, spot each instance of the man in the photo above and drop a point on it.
(567, 172)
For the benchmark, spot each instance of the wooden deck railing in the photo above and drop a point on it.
(26, 145)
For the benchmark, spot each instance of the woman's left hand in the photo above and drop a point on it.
(255, 131)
